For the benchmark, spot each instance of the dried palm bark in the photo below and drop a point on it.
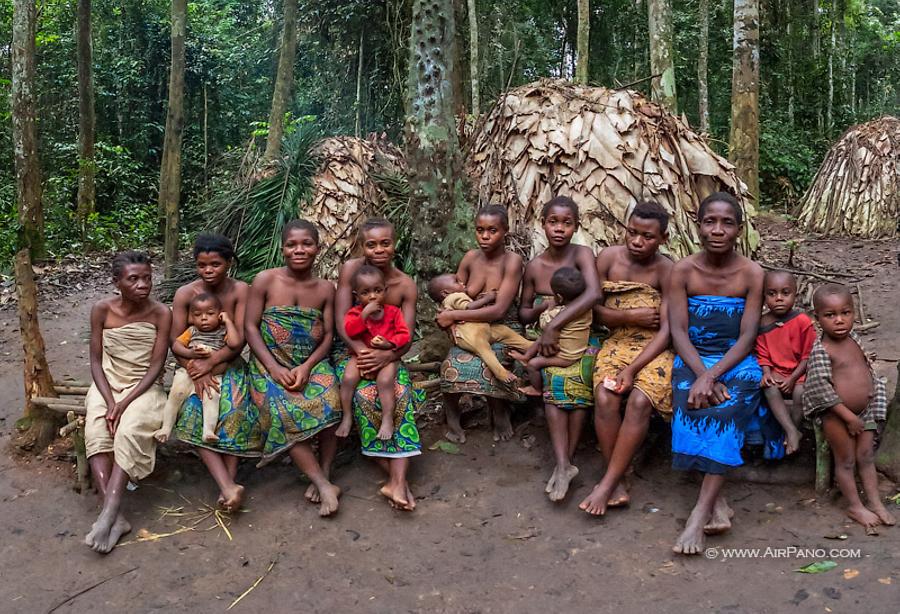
(856, 191)
(345, 192)
(607, 150)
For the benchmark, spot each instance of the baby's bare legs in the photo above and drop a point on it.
(349, 383)
(210, 403)
(385, 380)
(780, 411)
(844, 449)
(533, 368)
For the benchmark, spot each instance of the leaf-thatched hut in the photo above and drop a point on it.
(607, 150)
(356, 178)
(856, 191)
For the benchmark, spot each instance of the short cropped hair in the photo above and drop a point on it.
(560, 201)
(123, 259)
(779, 273)
(495, 211)
(721, 197)
(568, 282)
(652, 210)
(826, 290)
(375, 222)
(300, 225)
(366, 270)
(206, 297)
(436, 283)
(214, 243)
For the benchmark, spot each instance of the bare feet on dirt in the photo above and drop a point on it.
(503, 429)
(398, 496)
(329, 496)
(561, 478)
(106, 532)
(596, 502)
(883, 514)
(232, 500)
(720, 519)
(312, 494)
(692, 539)
(619, 497)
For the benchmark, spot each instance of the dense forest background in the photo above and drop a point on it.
(825, 65)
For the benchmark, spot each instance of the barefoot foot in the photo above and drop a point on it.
(210, 438)
(234, 498)
(596, 502)
(883, 514)
(551, 483)
(386, 431)
(396, 496)
(792, 441)
(106, 531)
(455, 436)
(330, 495)
(619, 497)
(692, 539)
(720, 520)
(564, 477)
(530, 391)
(503, 429)
(312, 494)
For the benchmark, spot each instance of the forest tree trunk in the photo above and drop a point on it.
(473, 58)
(744, 141)
(790, 64)
(38, 382)
(583, 45)
(832, 42)
(28, 167)
(170, 172)
(284, 81)
(702, 67)
(86, 120)
(661, 61)
(441, 216)
(359, 80)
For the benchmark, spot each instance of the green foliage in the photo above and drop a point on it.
(789, 157)
(252, 214)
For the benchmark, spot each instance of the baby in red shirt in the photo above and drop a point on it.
(379, 326)
(786, 336)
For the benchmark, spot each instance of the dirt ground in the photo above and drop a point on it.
(484, 538)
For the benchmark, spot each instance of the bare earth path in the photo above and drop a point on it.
(484, 538)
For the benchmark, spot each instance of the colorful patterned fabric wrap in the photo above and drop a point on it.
(710, 440)
(287, 417)
(572, 387)
(238, 428)
(463, 372)
(626, 343)
(367, 412)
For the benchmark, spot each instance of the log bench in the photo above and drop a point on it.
(71, 403)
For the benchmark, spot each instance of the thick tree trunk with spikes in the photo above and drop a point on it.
(442, 218)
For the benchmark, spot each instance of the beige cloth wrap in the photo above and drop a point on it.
(126, 358)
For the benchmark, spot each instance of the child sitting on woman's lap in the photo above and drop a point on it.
(380, 326)
(567, 284)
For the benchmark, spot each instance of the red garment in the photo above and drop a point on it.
(784, 344)
(391, 326)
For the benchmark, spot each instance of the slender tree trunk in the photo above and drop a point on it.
(28, 169)
(583, 42)
(702, 63)
(441, 216)
(86, 120)
(832, 42)
(744, 141)
(661, 61)
(473, 57)
(790, 65)
(284, 81)
(815, 48)
(359, 71)
(38, 381)
(170, 172)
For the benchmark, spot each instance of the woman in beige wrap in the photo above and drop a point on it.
(129, 342)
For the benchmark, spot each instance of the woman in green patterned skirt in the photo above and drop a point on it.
(376, 236)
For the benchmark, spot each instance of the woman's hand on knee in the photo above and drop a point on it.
(205, 387)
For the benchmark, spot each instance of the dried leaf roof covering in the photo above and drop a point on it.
(856, 191)
(607, 150)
